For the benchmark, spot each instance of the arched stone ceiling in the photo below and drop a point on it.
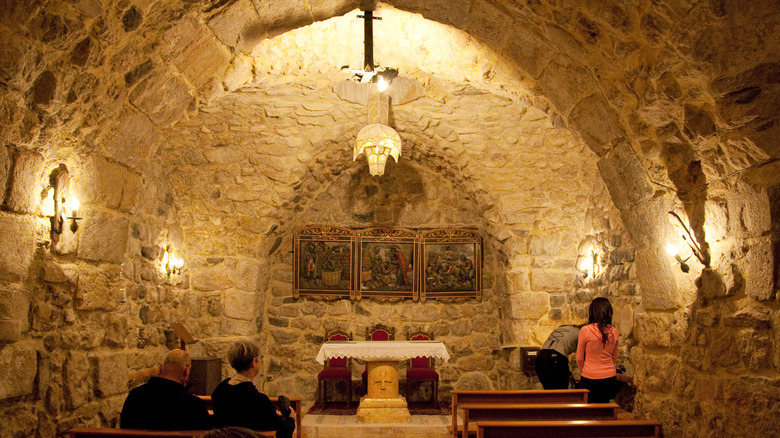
(488, 137)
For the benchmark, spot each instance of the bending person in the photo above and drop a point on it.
(597, 353)
(552, 361)
(237, 402)
(163, 402)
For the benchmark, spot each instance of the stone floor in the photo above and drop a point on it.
(347, 426)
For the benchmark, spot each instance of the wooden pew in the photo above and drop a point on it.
(514, 397)
(296, 401)
(476, 412)
(569, 429)
(109, 432)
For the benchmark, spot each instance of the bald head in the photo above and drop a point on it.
(176, 366)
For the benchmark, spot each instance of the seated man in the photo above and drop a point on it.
(163, 403)
(237, 402)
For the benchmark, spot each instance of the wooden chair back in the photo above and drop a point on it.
(380, 332)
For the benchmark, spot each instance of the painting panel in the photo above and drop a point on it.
(323, 264)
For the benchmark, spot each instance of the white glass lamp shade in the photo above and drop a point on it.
(377, 142)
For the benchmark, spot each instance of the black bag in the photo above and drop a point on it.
(284, 405)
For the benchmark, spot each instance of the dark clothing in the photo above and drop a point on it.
(243, 405)
(600, 390)
(162, 404)
(552, 361)
(552, 368)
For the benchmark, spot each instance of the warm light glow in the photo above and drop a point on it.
(377, 142)
(586, 264)
(48, 203)
(382, 84)
(73, 205)
(672, 250)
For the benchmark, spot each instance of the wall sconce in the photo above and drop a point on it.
(172, 264)
(588, 264)
(65, 205)
(687, 237)
(673, 251)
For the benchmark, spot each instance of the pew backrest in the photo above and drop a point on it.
(473, 412)
(569, 429)
(514, 397)
(109, 432)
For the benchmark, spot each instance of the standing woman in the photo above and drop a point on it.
(597, 353)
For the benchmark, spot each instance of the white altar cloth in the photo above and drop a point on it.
(394, 351)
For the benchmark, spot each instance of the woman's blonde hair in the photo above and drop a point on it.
(241, 354)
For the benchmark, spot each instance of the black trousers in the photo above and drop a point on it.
(552, 368)
(601, 390)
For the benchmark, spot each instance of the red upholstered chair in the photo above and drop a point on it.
(378, 332)
(336, 369)
(421, 369)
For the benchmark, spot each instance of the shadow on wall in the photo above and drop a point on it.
(382, 200)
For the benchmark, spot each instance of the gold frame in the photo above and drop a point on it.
(371, 264)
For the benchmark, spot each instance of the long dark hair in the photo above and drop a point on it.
(600, 313)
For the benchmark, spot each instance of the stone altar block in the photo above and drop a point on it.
(382, 403)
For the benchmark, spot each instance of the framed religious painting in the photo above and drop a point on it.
(386, 263)
(451, 265)
(323, 262)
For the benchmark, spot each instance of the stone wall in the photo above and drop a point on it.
(74, 313)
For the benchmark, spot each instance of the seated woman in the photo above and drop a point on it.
(237, 402)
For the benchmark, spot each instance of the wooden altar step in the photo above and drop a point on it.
(347, 426)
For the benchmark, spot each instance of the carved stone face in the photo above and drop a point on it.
(384, 382)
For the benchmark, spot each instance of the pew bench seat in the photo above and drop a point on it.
(510, 397)
(569, 429)
(110, 432)
(473, 412)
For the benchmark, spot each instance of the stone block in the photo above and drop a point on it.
(748, 210)
(98, 288)
(550, 280)
(759, 270)
(5, 168)
(488, 22)
(284, 337)
(26, 182)
(749, 314)
(131, 139)
(529, 49)
(103, 236)
(655, 275)
(755, 349)
(231, 22)
(18, 243)
(544, 245)
(110, 373)
(213, 277)
(163, 97)
(20, 360)
(653, 330)
(76, 384)
(109, 184)
(203, 58)
(529, 305)
(10, 330)
(239, 304)
(624, 176)
(246, 276)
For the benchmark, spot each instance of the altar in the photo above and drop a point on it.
(382, 403)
